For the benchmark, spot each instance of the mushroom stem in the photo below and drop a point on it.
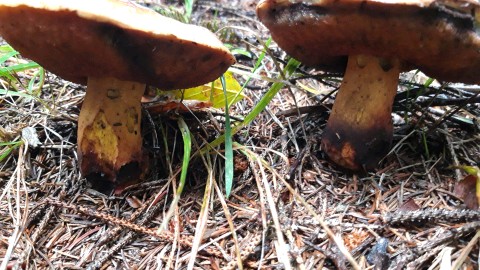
(109, 133)
(359, 131)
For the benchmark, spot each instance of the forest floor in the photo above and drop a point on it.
(290, 208)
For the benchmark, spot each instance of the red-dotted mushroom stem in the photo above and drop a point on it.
(359, 131)
(109, 132)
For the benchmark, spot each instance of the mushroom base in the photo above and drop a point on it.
(356, 150)
(359, 131)
(109, 134)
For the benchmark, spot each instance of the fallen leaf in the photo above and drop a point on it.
(134, 202)
(211, 92)
(465, 189)
(355, 239)
(472, 191)
(409, 205)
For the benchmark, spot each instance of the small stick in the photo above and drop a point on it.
(167, 236)
(248, 250)
(447, 237)
(424, 216)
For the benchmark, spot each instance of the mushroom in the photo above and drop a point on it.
(373, 41)
(115, 48)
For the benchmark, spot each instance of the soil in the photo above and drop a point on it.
(290, 208)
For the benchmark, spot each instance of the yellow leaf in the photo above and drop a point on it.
(211, 92)
(471, 170)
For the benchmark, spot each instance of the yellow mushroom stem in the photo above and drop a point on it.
(109, 135)
(359, 131)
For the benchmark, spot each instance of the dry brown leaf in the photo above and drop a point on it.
(465, 190)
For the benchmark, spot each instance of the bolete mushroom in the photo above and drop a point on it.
(116, 48)
(375, 40)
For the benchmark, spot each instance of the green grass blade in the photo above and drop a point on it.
(15, 93)
(4, 154)
(428, 82)
(255, 67)
(188, 9)
(228, 144)
(8, 148)
(6, 49)
(262, 55)
(5, 71)
(291, 66)
(40, 75)
(425, 144)
(7, 56)
(9, 143)
(187, 149)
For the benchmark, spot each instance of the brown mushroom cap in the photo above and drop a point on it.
(441, 38)
(89, 38)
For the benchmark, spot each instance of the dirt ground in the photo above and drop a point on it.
(290, 208)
